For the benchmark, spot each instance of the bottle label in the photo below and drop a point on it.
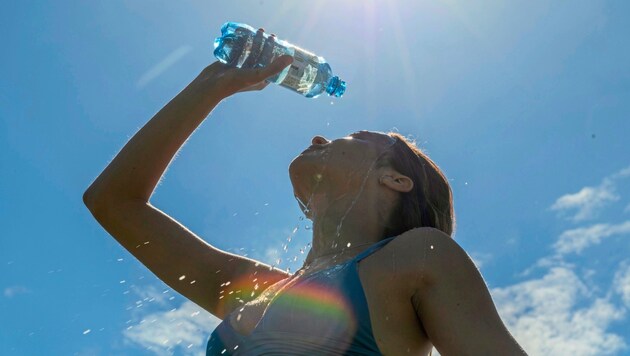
(302, 71)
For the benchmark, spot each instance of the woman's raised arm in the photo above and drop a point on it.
(119, 198)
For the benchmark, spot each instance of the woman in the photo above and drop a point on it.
(383, 275)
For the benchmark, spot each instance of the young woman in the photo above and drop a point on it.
(383, 276)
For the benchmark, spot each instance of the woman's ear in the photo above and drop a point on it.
(397, 182)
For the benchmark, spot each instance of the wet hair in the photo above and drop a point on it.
(430, 202)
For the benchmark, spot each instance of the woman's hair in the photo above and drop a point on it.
(430, 202)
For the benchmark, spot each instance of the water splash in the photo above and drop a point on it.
(367, 175)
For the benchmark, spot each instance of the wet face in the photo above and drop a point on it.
(329, 171)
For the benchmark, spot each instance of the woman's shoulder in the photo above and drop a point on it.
(420, 237)
(419, 249)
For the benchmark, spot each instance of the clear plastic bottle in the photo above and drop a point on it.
(308, 75)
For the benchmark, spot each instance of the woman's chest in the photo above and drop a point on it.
(376, 297)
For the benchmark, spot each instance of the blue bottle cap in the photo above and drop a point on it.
(336, 87)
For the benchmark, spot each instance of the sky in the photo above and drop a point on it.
(524, 105)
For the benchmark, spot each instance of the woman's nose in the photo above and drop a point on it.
(319, 140)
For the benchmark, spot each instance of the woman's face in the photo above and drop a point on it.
(330, 170)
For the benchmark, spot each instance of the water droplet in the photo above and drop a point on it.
(192, 282)
(123, 281)
(432, 247)
(87, 331)
(349, 244)
(266, 204)
(227, 283)
(181, 278)
(119, 260)
(307, 227)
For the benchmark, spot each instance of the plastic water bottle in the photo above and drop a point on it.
(308, 75)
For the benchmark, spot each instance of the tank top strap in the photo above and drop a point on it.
(370, 250)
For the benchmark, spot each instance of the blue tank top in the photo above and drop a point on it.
(325, 313)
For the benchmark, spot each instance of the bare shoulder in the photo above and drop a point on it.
(425, 251)
(420, 242)
(450, 297)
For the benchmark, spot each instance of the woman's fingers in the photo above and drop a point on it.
(257, 67)
(256, 49)
(267, 51)
(254, 78)
(276, 66)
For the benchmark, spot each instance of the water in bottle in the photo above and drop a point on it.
(308, 75)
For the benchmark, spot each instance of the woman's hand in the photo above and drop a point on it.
(225, 80)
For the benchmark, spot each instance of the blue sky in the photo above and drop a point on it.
(525, 105)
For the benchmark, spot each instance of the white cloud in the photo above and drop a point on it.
(624, 173)
(272, 255)
(184, 330)
(622, 282)
(480, 258)
(151, 294)
(587, 201)
(544, 317)
(576, 240)
(163, 65)
(166, 330)
(12, 291)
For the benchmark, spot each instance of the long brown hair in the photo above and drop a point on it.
(430, 202)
